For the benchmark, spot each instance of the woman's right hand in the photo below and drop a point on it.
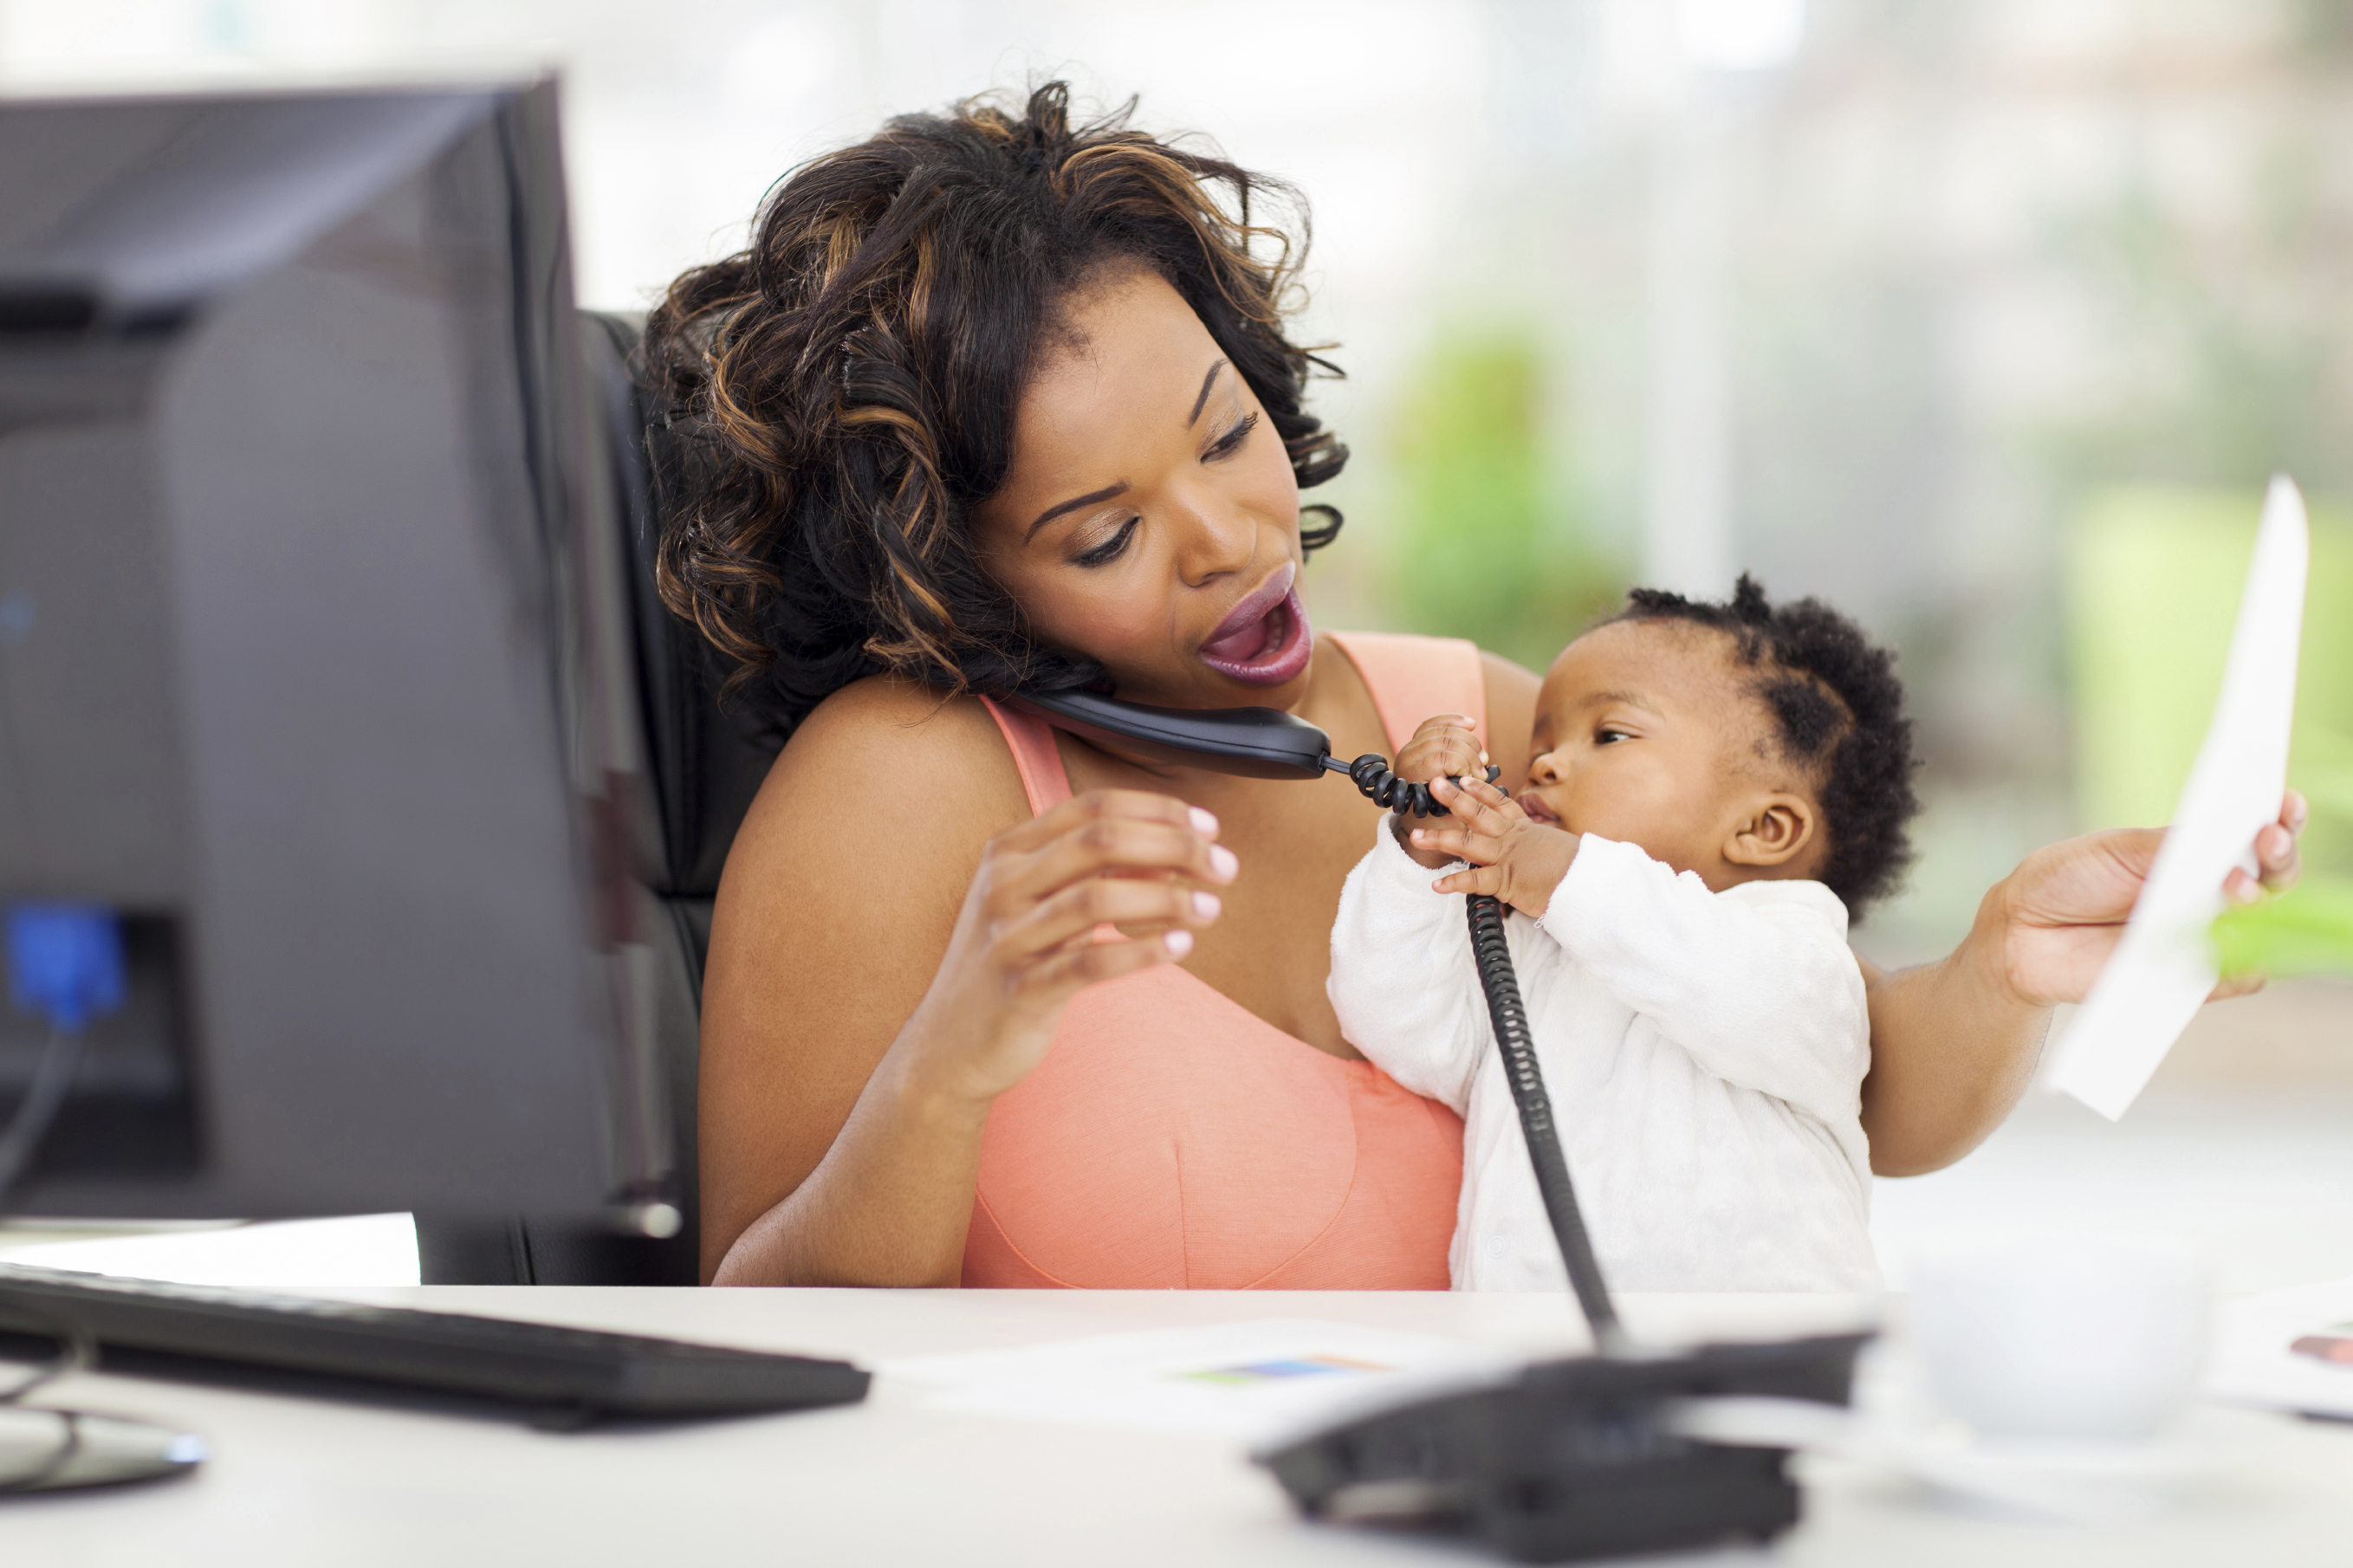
(1025, 942)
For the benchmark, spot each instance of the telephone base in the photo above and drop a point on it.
(1573, 1459)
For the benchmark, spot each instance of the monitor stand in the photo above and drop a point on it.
(46, 1450)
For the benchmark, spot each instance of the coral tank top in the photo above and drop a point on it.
(1172, 1138)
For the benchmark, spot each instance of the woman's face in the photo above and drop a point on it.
(1151, 520)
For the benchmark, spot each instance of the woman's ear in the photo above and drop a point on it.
(1776, 829)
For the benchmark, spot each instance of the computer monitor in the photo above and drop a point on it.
(312, 658)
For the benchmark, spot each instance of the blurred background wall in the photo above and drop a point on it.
(1984, 319)
(1959, 312)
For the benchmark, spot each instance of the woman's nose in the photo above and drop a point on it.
(1219, 537)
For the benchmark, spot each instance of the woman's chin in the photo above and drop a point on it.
(1283, 655)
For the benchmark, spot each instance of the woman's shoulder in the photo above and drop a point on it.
(890, 722)
(1411, 677)
(910, 771)
(1512, 690)
(1386, 655)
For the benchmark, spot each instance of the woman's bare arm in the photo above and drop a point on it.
(812, 925)
(1955, 1043)
(1952, 1050)
(895, 941)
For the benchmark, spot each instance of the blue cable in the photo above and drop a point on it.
(64, 962)
(65, 966)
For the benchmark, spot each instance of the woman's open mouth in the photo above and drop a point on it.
(1266, 640)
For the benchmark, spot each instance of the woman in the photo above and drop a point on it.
(993, 401)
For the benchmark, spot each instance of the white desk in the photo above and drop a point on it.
(299, 1482)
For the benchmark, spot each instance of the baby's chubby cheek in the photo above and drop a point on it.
(1624, 821)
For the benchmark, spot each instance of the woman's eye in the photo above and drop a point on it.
(1111, 549)
(1230, 442)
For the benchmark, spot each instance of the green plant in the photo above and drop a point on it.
(2308, 929)
(1483, 545)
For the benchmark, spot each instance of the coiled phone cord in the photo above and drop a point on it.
(1509, 1016)
(1382, 787)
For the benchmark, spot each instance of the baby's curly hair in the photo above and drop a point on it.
(1838, 709)
(842, 394)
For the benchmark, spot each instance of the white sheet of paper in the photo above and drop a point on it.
(2164, 967)
(1246, 1382)
(2255, 1361)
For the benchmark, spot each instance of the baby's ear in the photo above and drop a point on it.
(1774, 833)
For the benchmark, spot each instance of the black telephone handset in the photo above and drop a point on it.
(1577, 1457)
(1255, 743)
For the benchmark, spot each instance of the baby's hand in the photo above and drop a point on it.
(1517, 860)
(1446, 746)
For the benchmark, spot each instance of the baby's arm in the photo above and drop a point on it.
(1755, 983)
(1402, 979)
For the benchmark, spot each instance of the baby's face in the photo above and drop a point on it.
(1645, 733)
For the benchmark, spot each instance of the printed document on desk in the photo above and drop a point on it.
(1243, 1382)
(2163, 969)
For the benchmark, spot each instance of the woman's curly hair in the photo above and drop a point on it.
(1839, 711)
(841, 394)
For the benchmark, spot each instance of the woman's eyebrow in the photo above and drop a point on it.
(1193, 418)
(1116, 488)
(1051, 512)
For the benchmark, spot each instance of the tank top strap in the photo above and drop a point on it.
(1411, 678)
(1031, 741)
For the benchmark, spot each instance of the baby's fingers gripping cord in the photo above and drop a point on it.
(1383, 787)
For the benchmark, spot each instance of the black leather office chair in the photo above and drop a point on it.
(704, 767)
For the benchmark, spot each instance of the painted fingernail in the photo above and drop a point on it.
(1179, 942)
(1223, 862)
(1203, 823)
(1207, 905)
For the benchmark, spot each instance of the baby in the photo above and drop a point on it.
(1715, 789)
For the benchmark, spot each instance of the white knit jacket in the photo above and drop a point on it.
(1704, 1054)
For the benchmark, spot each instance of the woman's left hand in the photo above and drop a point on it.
(2063, 910)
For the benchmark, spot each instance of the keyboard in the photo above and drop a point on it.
(559, 1376)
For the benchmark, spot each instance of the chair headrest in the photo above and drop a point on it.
(705, 763)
